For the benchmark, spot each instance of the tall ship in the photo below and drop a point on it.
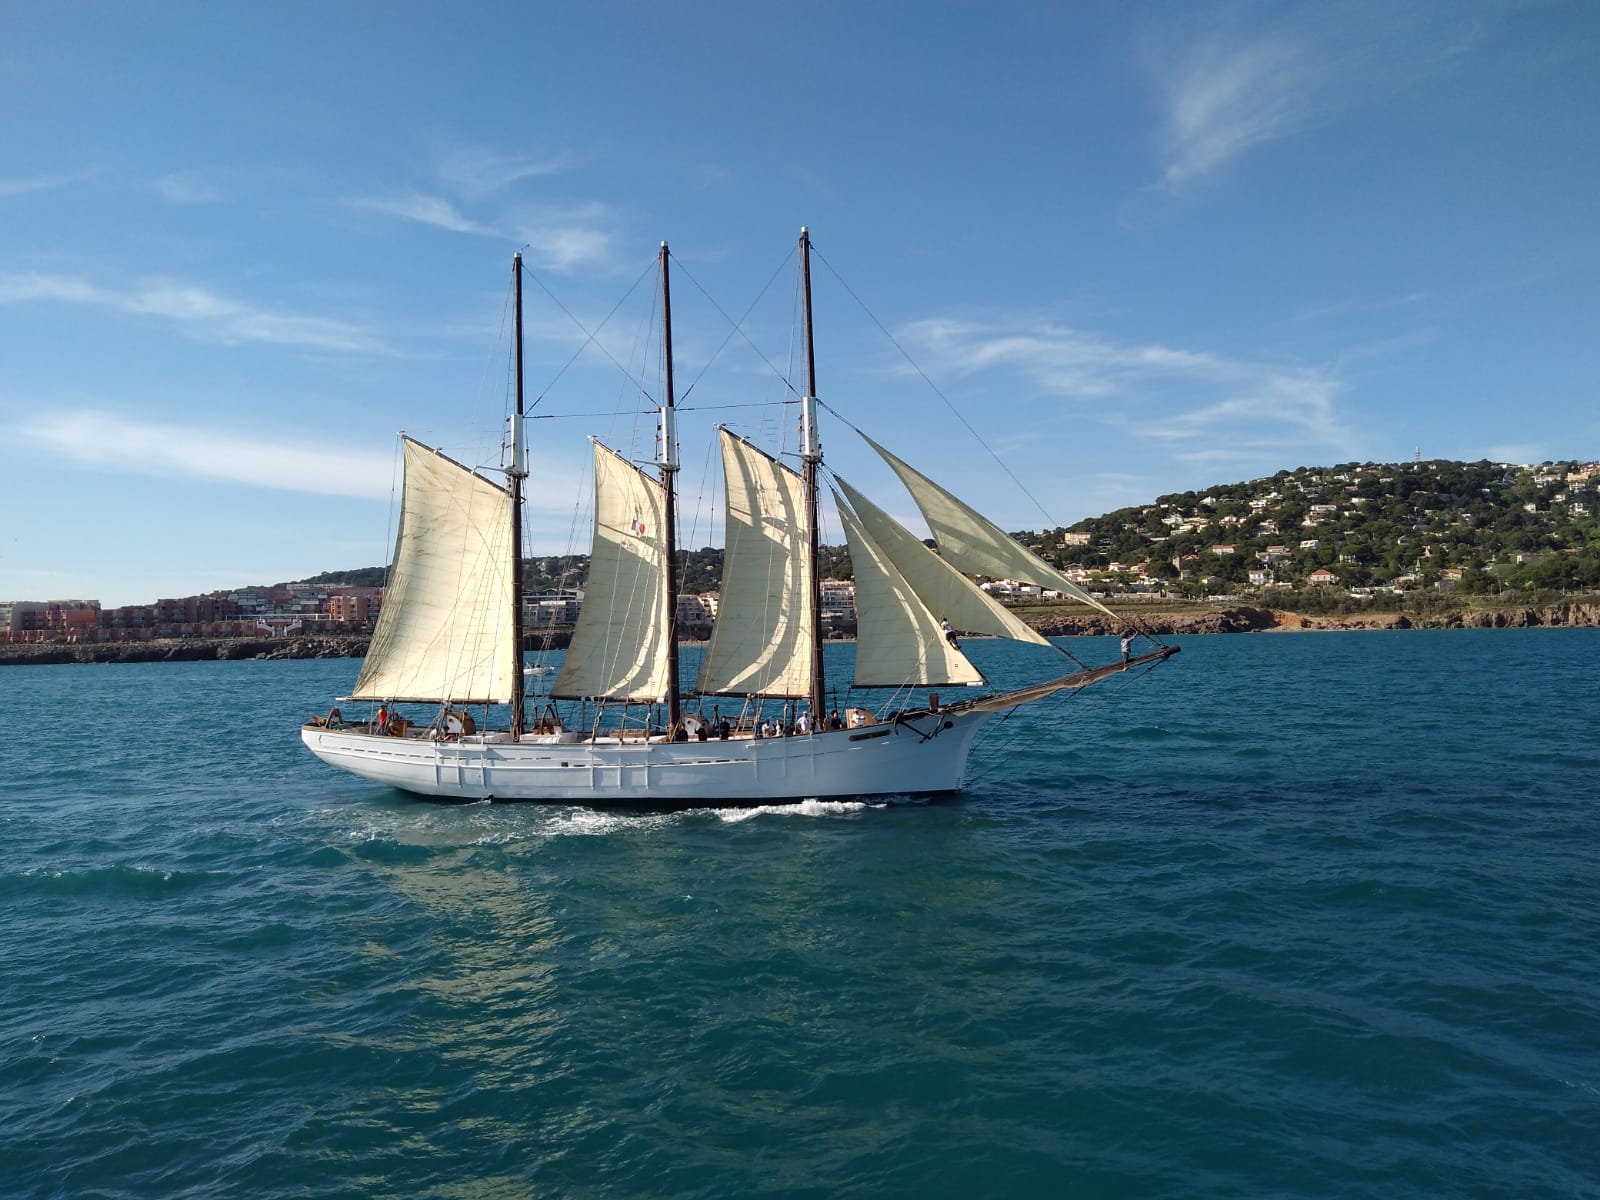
(617, 725)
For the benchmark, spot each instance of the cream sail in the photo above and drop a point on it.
(941, 588)
(766, 581)
(447, 612)
(973, 543)
(619, 648)
(615, 728)
(899, 643)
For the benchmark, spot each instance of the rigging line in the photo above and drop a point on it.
(915, 366)
(589, 337)
(587, 416)
(736, 327)
(741, 404)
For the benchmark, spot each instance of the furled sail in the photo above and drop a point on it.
(899, 643)
(943, 590)
(972, 543)
(619, 646)
(446, 629)
(762, 641)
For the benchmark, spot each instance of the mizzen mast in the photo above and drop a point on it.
(517, 472)
(810, 457)
(669, 472)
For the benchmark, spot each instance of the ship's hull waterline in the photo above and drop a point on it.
(921, 757)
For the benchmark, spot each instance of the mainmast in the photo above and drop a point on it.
(517, 473)
(669, 472)
(810, 456)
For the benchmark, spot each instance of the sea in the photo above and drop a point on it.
(1293, 915)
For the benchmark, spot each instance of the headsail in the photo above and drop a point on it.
(446, 630)
(619, 646)
(943, 590)
(973, 543)
(898, 641)
(763, 646)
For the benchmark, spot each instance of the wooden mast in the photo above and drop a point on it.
(810, 456)
(517, 473)
(669, 471)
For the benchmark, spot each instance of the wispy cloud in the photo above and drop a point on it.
(557, 239)
(475, 171)
(566, 239)
(110, 440)
(423, 210)
(1066, 361)
(1238, 75)
(198, 311)
(196, 185)
(1193, 401)
(28, 184)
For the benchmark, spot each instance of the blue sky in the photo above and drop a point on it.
(1137, 248)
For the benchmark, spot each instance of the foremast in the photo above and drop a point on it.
(669, 471)
(516, 473)
(810, 457)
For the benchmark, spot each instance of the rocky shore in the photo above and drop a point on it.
(1062, 624)
(1253, 620)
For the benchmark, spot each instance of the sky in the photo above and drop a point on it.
(1068, 257)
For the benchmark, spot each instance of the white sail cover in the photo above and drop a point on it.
(619, 646)
(766, 628)
(972, 543)
(943, 590)
(446, 630)
(899, 643)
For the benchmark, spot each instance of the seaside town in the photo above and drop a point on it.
(1310, 538)
(292, 609)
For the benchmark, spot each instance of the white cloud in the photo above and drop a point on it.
(424, 210)
(1196, 402)
(476, 171)
(562, 241)
(1236, 76)
(198, 311)
(557, 239)
(197, 185)
(108, 440)
(28, 184)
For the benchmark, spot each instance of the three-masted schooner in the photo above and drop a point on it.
(449, 634)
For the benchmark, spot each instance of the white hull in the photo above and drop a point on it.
(887, 759)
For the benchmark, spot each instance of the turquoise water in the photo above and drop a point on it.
(1295, 915)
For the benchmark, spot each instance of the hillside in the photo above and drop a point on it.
(1369, 528)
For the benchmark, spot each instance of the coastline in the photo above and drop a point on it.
(1242, 619)
(1247, 619)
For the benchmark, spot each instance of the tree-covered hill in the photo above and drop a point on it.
(1475, 526)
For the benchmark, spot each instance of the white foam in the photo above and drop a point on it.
(806, 808)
